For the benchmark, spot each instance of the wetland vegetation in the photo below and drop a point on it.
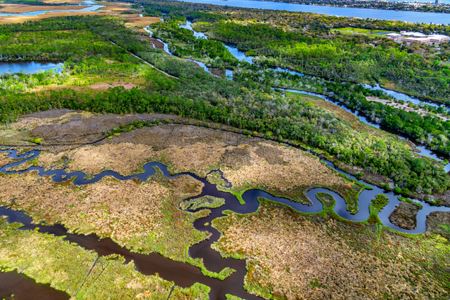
(199, 95)
(249, 154)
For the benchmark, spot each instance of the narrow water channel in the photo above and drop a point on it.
(14, 285)
(422, 150)
(184, 274)
(243, 57)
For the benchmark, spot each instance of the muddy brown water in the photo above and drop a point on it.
(183, 274)
(17, 286)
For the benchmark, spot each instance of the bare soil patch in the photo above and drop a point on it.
(105, 86)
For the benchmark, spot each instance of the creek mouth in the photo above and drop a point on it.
(184, 274)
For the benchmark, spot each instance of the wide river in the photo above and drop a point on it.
(407, 16)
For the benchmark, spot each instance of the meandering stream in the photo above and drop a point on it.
(184, 274)
(243, 57)
(251, 196)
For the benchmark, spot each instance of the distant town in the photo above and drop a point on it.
(429, 6)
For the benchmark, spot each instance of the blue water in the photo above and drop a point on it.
(401, 96)
(42, 12)
(198, 35)
(241, 56)
(407, 16)
(29, 67)
(200, 64)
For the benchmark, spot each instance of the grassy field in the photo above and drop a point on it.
(81, 273)
(143, 217)
(362, 31)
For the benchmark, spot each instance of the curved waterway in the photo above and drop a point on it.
(243, 57)
(363, 13)
(405, 98)
(423, 151)
(184, 274)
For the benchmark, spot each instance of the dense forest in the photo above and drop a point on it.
(198, 95)
(422, 129)
(429, 129)
(339, 57)
(184, 44)
(310, 43)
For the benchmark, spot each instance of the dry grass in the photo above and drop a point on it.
(294, 257)
(185, 148)
(21, 8)
(246, 162)
(65, 126)
(30, 122)
(53, 2)
(139, 22)
(279, 168)
(144, 217)
(4, 159)
(22, 19)
(9, 136)
(104, 86)
(115, 9)
(124, 158)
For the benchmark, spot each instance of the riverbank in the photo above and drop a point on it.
(406, 16)
(156, 137)
(424, 6)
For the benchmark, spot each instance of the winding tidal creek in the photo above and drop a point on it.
(184, 274)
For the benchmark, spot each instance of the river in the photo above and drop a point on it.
(184, 274)
(407, 16)
(242, 57)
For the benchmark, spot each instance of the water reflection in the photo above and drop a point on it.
(29, 67)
